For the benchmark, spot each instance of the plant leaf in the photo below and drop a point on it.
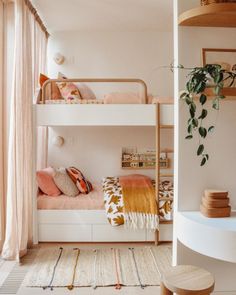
(203, 162)
(203, 99)
(192, 113)
(211, 128)
(200, 149)
(190, 129)
(202, 132)
(195, 122)
(188, 100)
(189, 137)
(217, 89)
(216, 104)
(193, 106)
(203, 114)
(183, 95)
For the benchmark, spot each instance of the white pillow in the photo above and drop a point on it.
(65, 183)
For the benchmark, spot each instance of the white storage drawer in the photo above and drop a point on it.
(72, 216)
(110, 233)
(65, 233)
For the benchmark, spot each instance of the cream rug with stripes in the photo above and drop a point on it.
(74, 267)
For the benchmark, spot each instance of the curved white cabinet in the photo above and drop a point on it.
(213, 237)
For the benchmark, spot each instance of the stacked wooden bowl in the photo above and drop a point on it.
(215, 203)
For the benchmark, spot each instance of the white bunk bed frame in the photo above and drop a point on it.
(92, 225)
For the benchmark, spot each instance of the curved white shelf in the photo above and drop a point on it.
(213, 237)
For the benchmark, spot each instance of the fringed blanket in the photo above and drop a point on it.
(130, 200)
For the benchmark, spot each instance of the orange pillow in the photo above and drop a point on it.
(52, 91)
(46, 182)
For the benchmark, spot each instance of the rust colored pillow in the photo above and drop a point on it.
(46, 182)
(52, 91)
(83, 185)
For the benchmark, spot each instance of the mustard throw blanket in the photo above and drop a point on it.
(130, 200)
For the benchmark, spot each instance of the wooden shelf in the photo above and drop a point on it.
(213, 15)
(138, 168)
(166, 175)
(166, 126)
(166, 221)
(228, 92)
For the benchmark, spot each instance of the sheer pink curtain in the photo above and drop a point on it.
(20, 187)
(6, 69)
(2, 193)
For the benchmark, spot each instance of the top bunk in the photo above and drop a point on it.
(115, 109)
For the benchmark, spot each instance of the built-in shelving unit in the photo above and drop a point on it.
(213, 15)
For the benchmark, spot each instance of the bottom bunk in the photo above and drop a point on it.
(84, 219)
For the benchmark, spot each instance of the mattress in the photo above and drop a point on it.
(92, 201)
(95, 200)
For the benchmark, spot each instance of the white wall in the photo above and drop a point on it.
(97, 151)
(116, 54)
(221, 168)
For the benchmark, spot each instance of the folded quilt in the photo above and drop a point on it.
(130, 200)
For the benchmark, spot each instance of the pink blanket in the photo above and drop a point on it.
(92, 201)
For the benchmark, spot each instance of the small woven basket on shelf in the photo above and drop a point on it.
(208, 2)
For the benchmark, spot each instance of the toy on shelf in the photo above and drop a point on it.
(142, 159)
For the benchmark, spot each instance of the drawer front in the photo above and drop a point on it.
(65, 233)
(72, 217)
(108, 233)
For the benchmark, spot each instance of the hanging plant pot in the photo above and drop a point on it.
(208, 2)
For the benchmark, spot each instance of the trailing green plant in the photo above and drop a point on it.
(199, 78)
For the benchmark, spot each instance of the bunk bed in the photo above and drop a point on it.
(76, 225)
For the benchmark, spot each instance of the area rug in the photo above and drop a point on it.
(74, 267)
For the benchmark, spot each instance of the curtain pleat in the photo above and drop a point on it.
(29, 60)
(2, 191)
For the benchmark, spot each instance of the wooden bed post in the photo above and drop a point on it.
(157, 164)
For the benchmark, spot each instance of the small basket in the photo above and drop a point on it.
(208, 2)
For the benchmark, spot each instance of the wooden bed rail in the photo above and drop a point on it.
(97, 80)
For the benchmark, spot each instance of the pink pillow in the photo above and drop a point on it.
(122, 98)
(85, 91)
(46, 182)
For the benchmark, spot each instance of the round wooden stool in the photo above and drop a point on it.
(187, 280)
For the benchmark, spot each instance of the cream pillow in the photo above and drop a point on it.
(64, 183)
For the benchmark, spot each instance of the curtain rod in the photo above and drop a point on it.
(37, 17)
